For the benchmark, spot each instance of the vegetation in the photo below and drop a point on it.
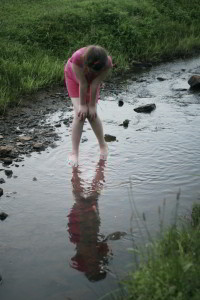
(172, 271)
(37, 36)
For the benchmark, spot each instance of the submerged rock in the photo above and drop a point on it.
(9, 173)
(3, 216)
(2, 180)
(115, 235)
(1, 192)
(125, 123)
(148, 108)
(109, 138)
(120, 103)
(194, 81)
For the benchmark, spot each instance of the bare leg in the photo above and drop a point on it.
(97, 127)
(77, 129)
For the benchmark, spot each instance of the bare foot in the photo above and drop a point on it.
(104, 152)
(73, 160)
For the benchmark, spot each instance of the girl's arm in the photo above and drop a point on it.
(94, 86)
(95, 83)
(83, 85)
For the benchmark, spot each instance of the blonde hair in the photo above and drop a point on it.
(95, 57)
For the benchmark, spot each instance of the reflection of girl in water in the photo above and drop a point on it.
(83, 227)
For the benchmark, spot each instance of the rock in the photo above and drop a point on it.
(148, 108)
(1, 192)
(109, 138)
(3, 216)
(125, 123)
(161, 78)
(58, 125)
(120, 103)
(1, 279)
(7, 160)
(34, 179)
(2, 180)
(115, 235)
(194, 81)
(38, 147)
(84, 139)
(5, 151)
(1, 137)
(25, 138)
(66, 121)
(9, 173)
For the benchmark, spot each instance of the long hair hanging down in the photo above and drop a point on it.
(95, 57)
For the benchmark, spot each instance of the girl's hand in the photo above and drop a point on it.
(83, 112)
(92, 112)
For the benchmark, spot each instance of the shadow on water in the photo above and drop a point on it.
(92, 253)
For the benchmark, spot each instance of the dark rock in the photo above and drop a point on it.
(161, 78)
(115, 235)
(1, 279)
(125, 123)
(3, 216)
(109, 138)
(66, 121)
(2, 180)
(34, 179)
(58, 125)
(148, 108)
(83, 140)
(194, 82)
(120, 103)
(9, 173)
(1, 192)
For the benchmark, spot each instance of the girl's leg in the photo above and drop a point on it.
(77, 129)
(97, 127)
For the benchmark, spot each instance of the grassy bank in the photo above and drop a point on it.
(38, 36)
(172, 271)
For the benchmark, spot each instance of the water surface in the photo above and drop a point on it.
(56, 242)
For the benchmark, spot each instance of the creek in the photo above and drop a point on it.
(68, 231)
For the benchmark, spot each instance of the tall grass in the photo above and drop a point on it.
(168, 267)
(38, 36)
(172, 271)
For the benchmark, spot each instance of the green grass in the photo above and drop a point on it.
(172, 271)
(38, 36)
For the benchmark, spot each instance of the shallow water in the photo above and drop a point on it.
(53, 245)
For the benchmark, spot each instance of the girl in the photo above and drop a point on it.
(84, 72)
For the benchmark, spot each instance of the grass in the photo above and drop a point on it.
(38, 36)
(171, 271)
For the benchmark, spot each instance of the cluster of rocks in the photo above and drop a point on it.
(25, 129)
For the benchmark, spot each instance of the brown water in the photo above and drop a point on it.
(53, 245)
